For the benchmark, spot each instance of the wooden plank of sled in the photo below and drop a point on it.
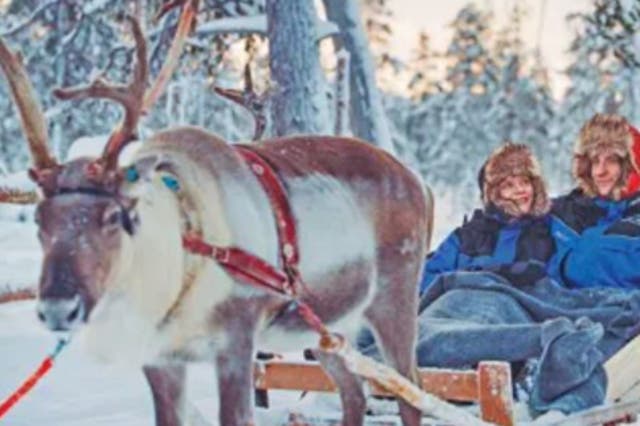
(490, 385)
(302, 376)
(623, 373)
(455, 385)
(495, 392)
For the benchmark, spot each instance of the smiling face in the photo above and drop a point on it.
(606, 172)
(603, 156)
(517, 190)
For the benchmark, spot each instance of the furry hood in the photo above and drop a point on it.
(603, 132)
(513, 159)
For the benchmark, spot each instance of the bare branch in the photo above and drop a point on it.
(17, 196)
(31, 117)
(99, 88)
(16, 295)
(256, 24)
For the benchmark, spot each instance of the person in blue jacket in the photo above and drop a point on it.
(600, 223)
(512, 229)
(490, 292)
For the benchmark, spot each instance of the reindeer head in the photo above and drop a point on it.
(84, 221)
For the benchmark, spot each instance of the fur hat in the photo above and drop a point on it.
(513, 159)
(603, 132)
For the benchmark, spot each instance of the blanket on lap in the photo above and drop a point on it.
(467, 317)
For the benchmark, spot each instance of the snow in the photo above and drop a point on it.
(92, 146)
(79, 391)
(255, 24)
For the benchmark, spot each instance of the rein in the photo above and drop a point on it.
(32, 380)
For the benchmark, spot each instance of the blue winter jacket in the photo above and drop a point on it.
(493, 241)
(605, 241)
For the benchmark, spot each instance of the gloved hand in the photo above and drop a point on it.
(521, 273)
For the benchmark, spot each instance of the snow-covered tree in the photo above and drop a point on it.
(378, 25)
(368, 118)
(424, 68)
(522, 108)
(472, 66)
(299, 95)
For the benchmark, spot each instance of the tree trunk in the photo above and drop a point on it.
(299, 101)
(368, 118)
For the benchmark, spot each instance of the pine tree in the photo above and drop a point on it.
(472, 66)
(298, 101)
(423, 67)
(378, 23)
(522, 106)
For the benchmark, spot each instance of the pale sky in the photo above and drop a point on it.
(434, 16)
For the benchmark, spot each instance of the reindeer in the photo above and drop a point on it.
(123, 249)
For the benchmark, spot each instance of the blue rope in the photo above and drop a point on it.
(62, 342)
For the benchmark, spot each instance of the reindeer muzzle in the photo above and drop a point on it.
(61, 314)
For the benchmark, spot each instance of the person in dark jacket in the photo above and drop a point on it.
(600, 223)
(512, 229)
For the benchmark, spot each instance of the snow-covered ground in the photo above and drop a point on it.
(79, 391)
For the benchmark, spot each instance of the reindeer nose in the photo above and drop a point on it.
(61, 314)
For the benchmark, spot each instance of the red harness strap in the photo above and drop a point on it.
(285, 223)
(241, 264)
(252, 269)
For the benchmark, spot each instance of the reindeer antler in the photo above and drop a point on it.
(185, 25)
(130, 96)
(172, 4)
(30, 111)
(249, 99)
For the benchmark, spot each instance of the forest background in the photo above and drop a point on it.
(445, 108)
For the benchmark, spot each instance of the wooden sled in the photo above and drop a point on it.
(489, 386)
(607, 415)
(623, 373)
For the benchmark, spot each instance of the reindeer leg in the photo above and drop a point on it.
(167, 385)
(396, 336)
(351, 393)
(234, 365)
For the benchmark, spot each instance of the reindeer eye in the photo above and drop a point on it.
(112, 218)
